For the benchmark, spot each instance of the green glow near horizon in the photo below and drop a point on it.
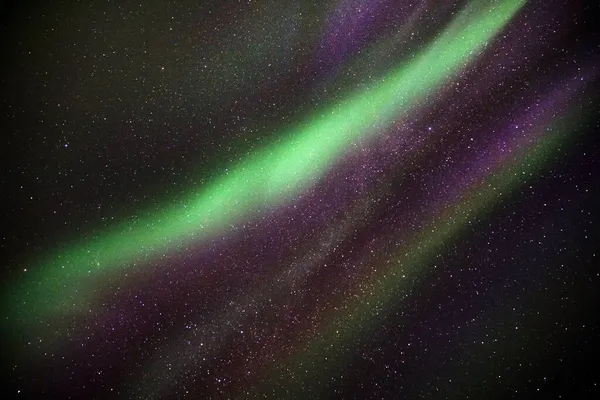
(268, 178)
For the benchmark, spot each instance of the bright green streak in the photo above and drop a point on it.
(270, 177)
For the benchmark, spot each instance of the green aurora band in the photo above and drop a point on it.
(330, 349)
(66, 281)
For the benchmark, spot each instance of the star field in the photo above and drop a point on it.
(350, 199)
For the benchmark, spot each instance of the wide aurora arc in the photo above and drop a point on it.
(330, 199)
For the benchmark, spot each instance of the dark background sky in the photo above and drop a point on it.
(112, 108)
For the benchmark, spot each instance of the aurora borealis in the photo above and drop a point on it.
(289, 199)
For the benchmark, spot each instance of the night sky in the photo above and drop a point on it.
(284, 199)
